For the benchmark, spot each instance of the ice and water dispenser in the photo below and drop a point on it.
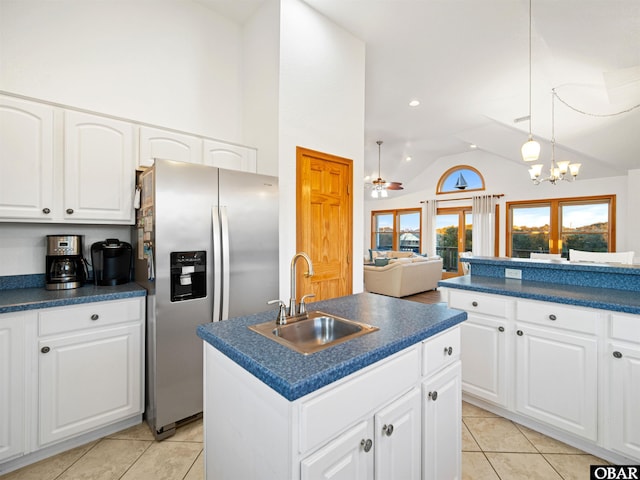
(188, 275)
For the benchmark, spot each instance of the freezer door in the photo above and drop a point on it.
(249, 224)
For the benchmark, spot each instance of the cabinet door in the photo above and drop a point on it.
(484, 358)
(556, 378)
(158, 143)
(26, 160)
(232, 157)
(88, 380)
(99, 169)
(623, 409)
(349, 457)
(398, 439)
(441, 428)
(12, 378)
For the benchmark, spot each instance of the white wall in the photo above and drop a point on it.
(321, 108)
(512, 179)
(172, 63)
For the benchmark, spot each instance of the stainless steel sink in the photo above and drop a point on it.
(317, 332)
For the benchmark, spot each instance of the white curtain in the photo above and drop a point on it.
(429, 227)
(484, 225)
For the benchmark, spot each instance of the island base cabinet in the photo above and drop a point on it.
(349, 457)
(88, 380)
(624, 396)
(556, 379)
(441, 425)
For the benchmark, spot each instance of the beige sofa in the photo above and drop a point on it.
(404, 276)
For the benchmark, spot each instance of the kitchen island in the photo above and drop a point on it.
(273, 413)
(557, 350)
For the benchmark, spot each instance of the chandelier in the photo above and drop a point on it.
(558, 170)
(531, 149)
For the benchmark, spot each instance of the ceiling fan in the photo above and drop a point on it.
(380, 186)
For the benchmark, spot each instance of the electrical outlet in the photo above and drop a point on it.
(513, 273)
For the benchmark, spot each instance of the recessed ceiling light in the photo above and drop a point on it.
(414, 103)
(473, 146)
(408, 159)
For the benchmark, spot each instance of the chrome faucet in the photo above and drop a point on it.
(293, 309)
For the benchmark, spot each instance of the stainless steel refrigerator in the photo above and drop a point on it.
(206, 250)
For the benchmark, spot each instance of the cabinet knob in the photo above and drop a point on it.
(520, 333)
(69, 211)
(501, 329)
(433, 396)
(617, 354)
(448, 350)
(387, 430)
(45, 349)
(95, 316)
(46, 211)
(552, 317)
(366, 444)
(474, 303)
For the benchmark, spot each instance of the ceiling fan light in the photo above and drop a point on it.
(530, 150)
(384, 194)
(374, 193)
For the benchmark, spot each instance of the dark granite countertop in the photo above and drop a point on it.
(584, 296)
(20, 299)
(402, 323)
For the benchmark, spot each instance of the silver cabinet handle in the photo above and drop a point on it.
(552, 317)
(366, 444)
(45, 349)
(501, 329)
(474, 303)
(95, 316)
(387, 430)
(448, 351)
(69, 211)
(433, 396)
(617, 354)
(520, 333)
(46, 211)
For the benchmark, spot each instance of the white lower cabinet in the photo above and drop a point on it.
(376, 424)
(86, 372)
(623, 395)
(12, 385)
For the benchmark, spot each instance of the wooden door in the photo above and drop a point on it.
(324, 223)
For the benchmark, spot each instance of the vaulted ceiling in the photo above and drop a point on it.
(467, 62)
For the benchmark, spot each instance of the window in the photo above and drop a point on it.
(557, 225)
(396, 230)
(460, 178)
(453, 236)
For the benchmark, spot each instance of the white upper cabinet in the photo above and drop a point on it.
(232, 157)
(99, 169)
(26, 160)
(158, 143)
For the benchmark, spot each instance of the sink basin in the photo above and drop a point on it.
(317, 332)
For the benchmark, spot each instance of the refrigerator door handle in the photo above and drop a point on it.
(216, 252)
(224, 236)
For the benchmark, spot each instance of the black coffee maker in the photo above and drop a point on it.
(112, 262)
(65, 265)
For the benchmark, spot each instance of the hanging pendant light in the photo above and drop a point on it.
(531, 149)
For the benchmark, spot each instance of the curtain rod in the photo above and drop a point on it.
(497, 195)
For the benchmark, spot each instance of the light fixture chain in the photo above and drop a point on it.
(596, 114)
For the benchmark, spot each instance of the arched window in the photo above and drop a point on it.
(461, 178)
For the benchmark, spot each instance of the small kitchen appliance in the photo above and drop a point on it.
(112, 262)
(65, 265)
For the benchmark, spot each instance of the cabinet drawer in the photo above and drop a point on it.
(552, 314)
(479, 303)
(90, 315)
(440, 351)
(625, 327)
(325, 415)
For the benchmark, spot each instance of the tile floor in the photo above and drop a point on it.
(493, 448)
